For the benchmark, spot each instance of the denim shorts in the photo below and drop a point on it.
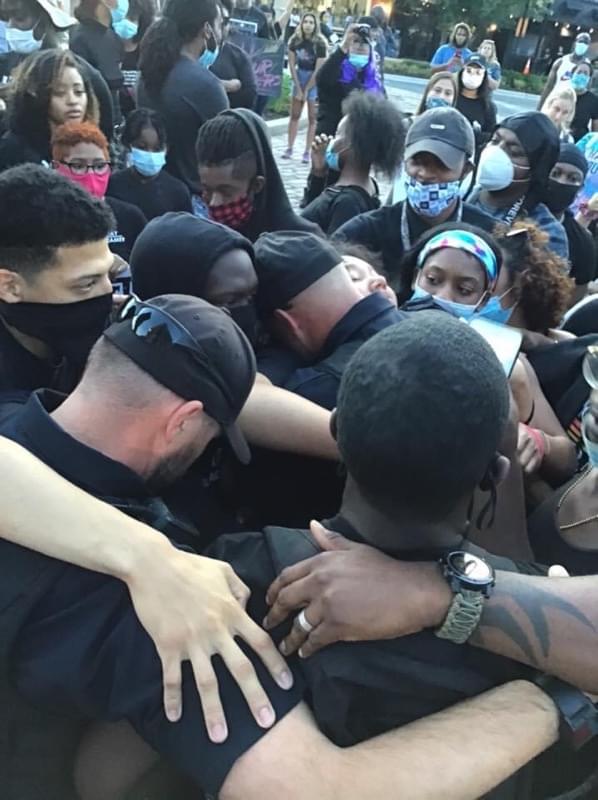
(304, 75)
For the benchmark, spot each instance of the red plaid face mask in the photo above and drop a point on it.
(234, 214)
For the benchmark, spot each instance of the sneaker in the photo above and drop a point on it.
(305, 158)
(288, 153)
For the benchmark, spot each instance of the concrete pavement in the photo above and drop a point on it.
(404, 91)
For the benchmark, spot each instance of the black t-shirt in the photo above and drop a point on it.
(253, 14)
(307, 52)
(129, 224)
(582, 251)
(189, 96)
(101, 47)
(232, 62)
(20, 369)
(152, 196)
(477, 110)
(586, 109)
(338, 204)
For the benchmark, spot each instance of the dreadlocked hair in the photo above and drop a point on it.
(225, 140)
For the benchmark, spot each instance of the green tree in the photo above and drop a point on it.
(482, 13)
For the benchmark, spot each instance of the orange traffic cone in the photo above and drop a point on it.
(528, 67)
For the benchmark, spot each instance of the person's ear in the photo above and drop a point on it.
(497, 471)
(180, 419)
(468, 167)
(289, 331)
(333, 427)
(12, 286)
(257, 184)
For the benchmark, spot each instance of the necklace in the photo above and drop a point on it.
(566, 494)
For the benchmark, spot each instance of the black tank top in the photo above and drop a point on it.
(547, 543)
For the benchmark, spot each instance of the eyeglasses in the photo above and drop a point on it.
(155, 324)
(82, 167)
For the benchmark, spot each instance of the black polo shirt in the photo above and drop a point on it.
(320, 382)
(83, 650)
(382, 230)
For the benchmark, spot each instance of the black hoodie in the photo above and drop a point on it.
(272, 210)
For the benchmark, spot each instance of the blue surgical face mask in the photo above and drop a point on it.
(456, 309)
(494, 311)
(358, 60)
(581, 48)
(22, 42)
(147, 163)
(332, 158)
(434, 101)
(120, 12)
(580, 81)
(208, 57)
(431, 199)
(125, 28)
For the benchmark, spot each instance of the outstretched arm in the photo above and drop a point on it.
(164, 583)
(498, 732)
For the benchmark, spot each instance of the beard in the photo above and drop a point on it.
(171, 469)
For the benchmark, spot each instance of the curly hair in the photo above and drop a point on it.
(72, 133)
(31, 94)
(543, 290)
(375, 131)
(439, 76)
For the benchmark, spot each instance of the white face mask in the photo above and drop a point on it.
(473, 80)
(495, 169)
(19, 41)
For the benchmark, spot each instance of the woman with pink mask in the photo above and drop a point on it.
(80, 152)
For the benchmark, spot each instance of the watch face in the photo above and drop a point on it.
(470, 568)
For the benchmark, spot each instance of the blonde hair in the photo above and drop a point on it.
(561, 93)
(492, 43)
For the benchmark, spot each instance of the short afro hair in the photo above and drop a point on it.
(421, 410)
(71, 134)
(375, 131)
(42, 211)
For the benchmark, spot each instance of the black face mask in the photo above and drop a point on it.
(246, 318)
(70, 329)
(560, 196)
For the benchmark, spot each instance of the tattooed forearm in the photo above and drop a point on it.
(548, 623)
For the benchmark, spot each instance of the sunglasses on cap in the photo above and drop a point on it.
(155, 325)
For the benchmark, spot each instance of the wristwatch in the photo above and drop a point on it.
(471, 580)
(578, 716)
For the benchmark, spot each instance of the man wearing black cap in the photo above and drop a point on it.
(315, 310)
(513, 172)
(439, 154)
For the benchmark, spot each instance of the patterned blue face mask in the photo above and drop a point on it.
(125, 28)
(434, 101)
(431, 199)
(332, 158)
(460, 310)
(120, 12)
(147, 163)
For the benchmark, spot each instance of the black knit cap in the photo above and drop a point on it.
(219, 369)
(287, 263)
(175, 253)
(570, 154)
(540, 140)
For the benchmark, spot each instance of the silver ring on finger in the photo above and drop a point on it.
(303, 622)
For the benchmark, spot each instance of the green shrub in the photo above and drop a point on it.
(280, 106)
(407, 66)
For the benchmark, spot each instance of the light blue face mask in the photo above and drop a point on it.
(580, 81)
(208, 57)
(146, 163)
(358, 60)
(495, 312)
(125, 28)
(434, 101)
(332, 158)
(120, 12)
(456, 309)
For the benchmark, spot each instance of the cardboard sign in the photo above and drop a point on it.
(267, 57)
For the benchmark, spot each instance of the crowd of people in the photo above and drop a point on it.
(297, 502)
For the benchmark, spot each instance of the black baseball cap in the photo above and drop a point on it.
(195, 350)
(476, 59)
(445, 133)
(287, 263)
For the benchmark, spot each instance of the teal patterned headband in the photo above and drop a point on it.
(470, 243)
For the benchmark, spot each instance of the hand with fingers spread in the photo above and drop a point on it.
(352, 592)
(318, 153)
(192, 607)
